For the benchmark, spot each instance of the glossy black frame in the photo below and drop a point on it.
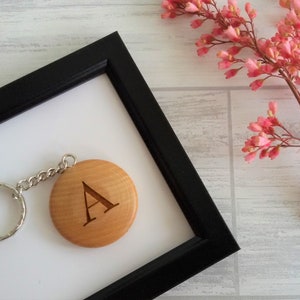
(212, 241)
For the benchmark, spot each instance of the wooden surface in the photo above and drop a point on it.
(94, 203)
(261, 201)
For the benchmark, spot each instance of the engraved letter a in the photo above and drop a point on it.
(98, 198)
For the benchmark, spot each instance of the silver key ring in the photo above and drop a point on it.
(16, 195)
(67, 161)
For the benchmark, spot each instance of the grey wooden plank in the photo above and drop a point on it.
(267, 197)
(200, 120)
(283, 297)
(34, 33)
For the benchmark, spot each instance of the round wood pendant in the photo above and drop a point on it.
(93, 203)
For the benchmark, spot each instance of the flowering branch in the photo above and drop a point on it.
(277, 57)
(270, 136)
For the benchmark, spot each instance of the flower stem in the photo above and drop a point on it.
(291, 86)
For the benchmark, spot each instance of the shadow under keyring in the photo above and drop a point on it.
(16, 195)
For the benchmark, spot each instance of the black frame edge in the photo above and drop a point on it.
(213, 240)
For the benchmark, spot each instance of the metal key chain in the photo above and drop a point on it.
(67, 161)
(92, 204)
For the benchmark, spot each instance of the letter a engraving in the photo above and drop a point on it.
(99, 199)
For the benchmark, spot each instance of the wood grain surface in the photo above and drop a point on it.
(260, 202)
(94, 203)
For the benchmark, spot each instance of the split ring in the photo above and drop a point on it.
(16, 195)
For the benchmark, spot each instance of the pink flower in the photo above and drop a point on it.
(271, 52)
(297, 80)
(255, 144)
(274, 152)
(196, 23)
(290, 4)
(264, 122)
(253, 67)
(284, 30)
(285, 3)
(168, 15)
(256, 68)
(292, 18)
(167, 4)
(256, 84)
(272, 108)
(250, 11)
(274, 121)
(223, 54)
(255, 127)
(230, 73)
(202, 51)
(217, 31)
(224, 64)
(205, 39)
(286, 49)
(232, 7)
(227, 61)
(268, 141)
(250, 157)
(232, 4)
(262, 141)
(266, 68)
(173, 8)
(232, 33)
(263, 153)
(296, 5)
(191, 8)
(234, 50)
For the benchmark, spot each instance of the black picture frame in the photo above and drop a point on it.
(212, 241)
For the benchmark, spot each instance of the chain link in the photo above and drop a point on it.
(67, 161)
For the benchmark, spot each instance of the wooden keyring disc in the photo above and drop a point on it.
(93, 203)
